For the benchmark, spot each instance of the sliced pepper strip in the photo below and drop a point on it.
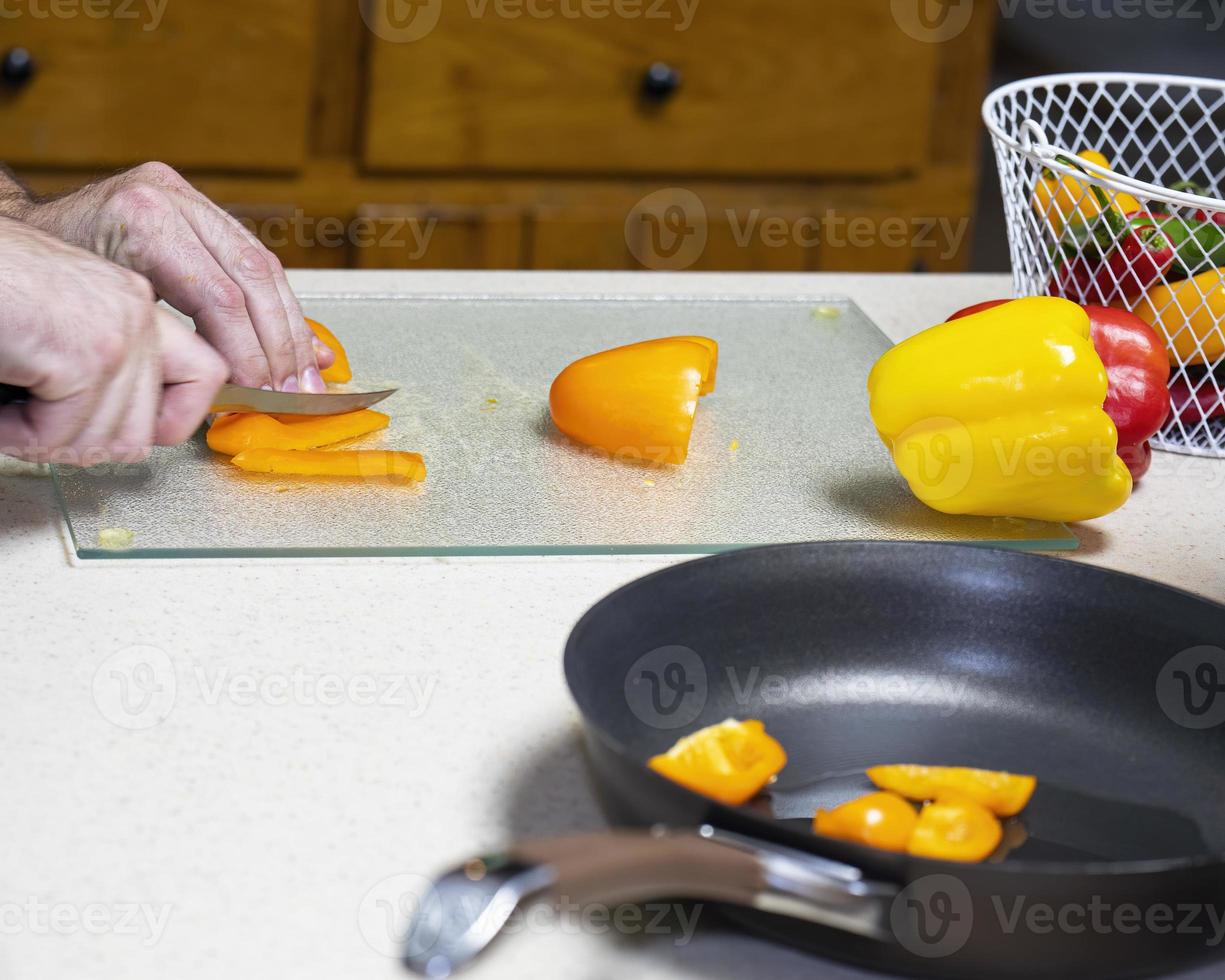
(729, 762)
(232, 434)
(339, 372)
(1003, 793)
(409, 467)
(955, 828)
(881, 820)
(637, 401)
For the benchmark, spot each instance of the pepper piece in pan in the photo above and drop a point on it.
(881, 820)
(730, 762)
(1003, 793)
(955, 828)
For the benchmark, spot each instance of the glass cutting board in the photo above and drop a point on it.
(784, 450)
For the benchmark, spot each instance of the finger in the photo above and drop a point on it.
(187, 276)
(62, 404)
(191, 373)
(253, 268)
(133, 436)
(96, 442)
(324, 356)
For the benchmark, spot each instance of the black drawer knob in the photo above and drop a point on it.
(17, 67)
(660, 83)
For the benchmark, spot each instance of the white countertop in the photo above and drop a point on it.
(316, 734)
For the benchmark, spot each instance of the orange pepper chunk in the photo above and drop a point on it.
(340, 371)
(1003, 793)
(881, 820)
(729, 762)
(409, 467)
(956, 828)
(638, 401)
(232, 434)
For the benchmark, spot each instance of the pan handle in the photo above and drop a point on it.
(467, 908)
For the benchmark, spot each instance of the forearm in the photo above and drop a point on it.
(15, 200)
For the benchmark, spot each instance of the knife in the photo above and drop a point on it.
(235, 398)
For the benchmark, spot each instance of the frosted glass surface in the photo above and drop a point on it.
(783, 451)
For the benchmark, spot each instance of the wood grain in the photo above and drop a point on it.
(213, 83)
(812, 87)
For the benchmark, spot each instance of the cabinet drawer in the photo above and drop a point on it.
(811, 87)
(206, 83)
(394, 236)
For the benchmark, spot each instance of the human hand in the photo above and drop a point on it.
(201, 261)
(109, 373)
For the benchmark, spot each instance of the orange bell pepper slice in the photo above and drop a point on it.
(637, 402)
(881, 820)
(1003, 793)
(232, 434)
(339, 372)
(956, 828)
(409, 467)
(729, 762)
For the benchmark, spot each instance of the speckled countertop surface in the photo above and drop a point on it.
(235, 768)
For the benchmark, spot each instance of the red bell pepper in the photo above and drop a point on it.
(1142, 253)
(1138, 400)
(1199, 405)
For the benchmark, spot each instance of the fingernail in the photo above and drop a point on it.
(265, 387)
(322, 350)
(289, 384)
(312, 381)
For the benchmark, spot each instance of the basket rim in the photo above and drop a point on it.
(1044, 153)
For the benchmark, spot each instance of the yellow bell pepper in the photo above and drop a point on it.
(1000, 414)
(1058, 199)
(1190, 316)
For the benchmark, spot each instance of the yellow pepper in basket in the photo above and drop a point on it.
(1190, 316)
(1058, 200)
(1000, 414)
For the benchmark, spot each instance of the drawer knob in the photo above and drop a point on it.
(660, 83)
(17, 67)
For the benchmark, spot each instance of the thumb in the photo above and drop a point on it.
(192, 373)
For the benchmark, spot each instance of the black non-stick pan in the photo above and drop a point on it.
(1108, 688)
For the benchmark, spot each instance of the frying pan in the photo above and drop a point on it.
(1105, 686)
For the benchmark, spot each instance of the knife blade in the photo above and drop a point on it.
(235, 398)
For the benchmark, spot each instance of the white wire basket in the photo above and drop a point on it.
(1142, 229)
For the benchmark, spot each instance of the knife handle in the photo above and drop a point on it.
(12, 393)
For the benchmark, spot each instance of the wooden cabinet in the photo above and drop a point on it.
(776, 135)
(200, 83)
(809, 87)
